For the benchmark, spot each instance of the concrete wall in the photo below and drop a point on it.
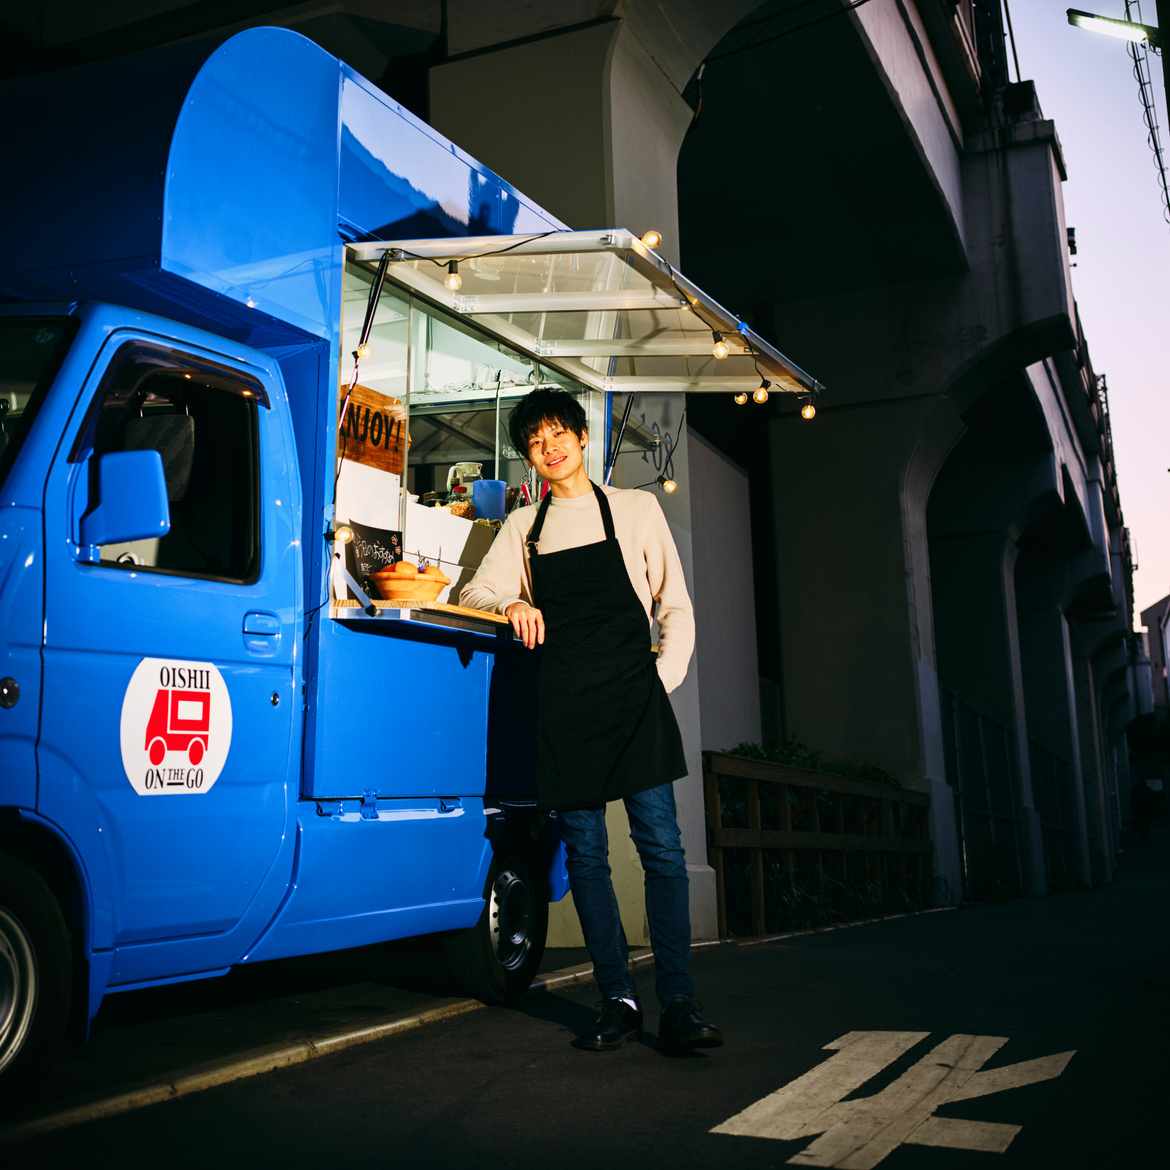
(901, 50)
(1156, 620)
(729, 700)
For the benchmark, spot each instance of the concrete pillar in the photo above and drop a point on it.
(585, 123)
(588, 125)
(851, 542)
(1123, 780)
(977, 643)
(1101, 859)
(1050, 702)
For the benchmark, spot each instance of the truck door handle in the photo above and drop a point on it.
(261, 633)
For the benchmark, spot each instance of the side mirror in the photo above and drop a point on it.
(131, 502)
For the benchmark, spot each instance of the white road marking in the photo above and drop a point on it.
(791, 1112)
(1012, 1076)
(954, 1134)
(858, 1134)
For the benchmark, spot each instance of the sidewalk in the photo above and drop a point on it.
(153, 1045)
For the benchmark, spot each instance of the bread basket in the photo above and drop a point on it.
(397, 586)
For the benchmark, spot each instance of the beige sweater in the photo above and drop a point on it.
(647, 548)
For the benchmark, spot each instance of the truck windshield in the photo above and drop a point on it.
(31, 349)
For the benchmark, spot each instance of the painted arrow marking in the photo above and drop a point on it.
(858, 1134)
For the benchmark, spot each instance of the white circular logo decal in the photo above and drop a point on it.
(176, 726)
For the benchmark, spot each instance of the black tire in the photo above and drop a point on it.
(36, 982)
(496, 960)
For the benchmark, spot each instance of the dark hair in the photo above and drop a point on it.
(541, 406)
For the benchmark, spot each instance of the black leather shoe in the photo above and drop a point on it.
(616, 1024)
(681, 1030)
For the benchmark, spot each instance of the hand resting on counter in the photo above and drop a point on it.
(527, 622)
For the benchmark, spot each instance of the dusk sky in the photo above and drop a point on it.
(1086, 85)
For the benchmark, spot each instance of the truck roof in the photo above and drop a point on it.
(215, 180)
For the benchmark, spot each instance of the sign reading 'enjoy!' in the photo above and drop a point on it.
(373, 431)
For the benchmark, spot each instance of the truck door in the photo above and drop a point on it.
(169, 708)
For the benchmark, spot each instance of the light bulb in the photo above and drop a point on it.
(453, 280)
(720, 347)
(741, 398)
(668, 485)
(808, 410)
(652, 238)
(760, 395)
(363, 351)
(343, 533)
(250, 303)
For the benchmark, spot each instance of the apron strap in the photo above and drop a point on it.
(606, 514)
(534, 532)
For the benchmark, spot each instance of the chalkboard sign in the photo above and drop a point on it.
(370, 550)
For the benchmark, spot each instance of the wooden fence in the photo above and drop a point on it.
(792, 847)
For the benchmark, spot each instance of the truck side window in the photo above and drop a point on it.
(31, 350)
(202, 420)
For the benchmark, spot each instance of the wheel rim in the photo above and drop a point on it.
(18, 987)
(511, 919)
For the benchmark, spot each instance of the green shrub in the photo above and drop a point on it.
(799, 755)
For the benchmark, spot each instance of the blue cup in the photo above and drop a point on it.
(488, 497)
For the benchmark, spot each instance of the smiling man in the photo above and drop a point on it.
(580, 577)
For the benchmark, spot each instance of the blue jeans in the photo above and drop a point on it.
(654, 831)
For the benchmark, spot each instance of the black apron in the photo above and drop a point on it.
(604, 725)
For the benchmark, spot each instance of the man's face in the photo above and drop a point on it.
(555, 452)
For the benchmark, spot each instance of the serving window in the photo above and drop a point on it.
(429, 406)
(426, 405)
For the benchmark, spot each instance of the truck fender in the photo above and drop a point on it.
(49, 851)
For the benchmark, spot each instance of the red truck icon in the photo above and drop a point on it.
(179, 721)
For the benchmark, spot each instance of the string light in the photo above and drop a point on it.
(761, 392)
(652, 238)
(808, 410)
(741, 398)
(363, 351)
(343, 534)
(453, 280)
(720, 348)
(668, 485)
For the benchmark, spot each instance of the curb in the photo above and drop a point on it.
(770, 938)
(222, 1072)
(272, 1057)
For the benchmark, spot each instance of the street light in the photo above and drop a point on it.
(1149, 38)
(1126, 30)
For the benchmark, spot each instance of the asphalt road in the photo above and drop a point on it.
(922, 1011)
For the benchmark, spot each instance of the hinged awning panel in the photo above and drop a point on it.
(599, 306)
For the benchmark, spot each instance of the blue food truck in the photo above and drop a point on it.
(255, 318)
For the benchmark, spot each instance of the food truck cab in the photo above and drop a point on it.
(255, 317)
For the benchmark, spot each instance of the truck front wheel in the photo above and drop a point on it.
(35, 980)
(497, 959)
